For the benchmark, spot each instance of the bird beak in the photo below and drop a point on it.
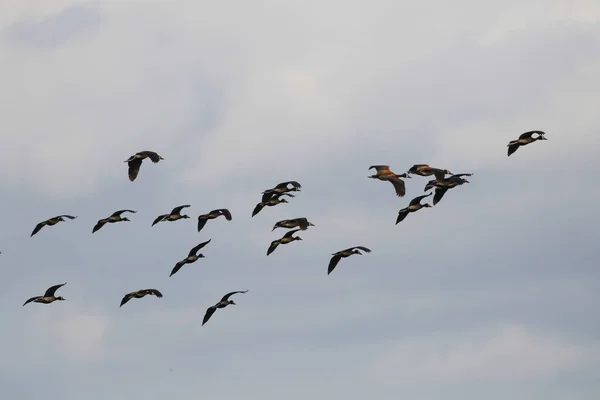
(311, 224)
(273, 228)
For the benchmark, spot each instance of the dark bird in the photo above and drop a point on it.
(135, 162)
(202, 219)
(301, 223)
(442, 181)
(50, 222)
(174, 215)
(221, 304)
(525, 139)
(192, 257)
(425, 170)
(442, 186)
(138, 294)
(115, 217)
(48, 297)
(280, 189)
(287, 238)
(273, 201)
(343, 254)
(414, 205)
(384, 174)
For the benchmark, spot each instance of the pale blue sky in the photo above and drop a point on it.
(491, 294)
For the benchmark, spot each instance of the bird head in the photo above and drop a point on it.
(426, 205)
(311, 224)
(448, 172)
(356, 251)
(542, 137)
(60, 298)
(160, 158)
(185, 216)
(277, 225)
(283, 201)
(201, 255)
(126, 219)
(405, 175)
(231, 302)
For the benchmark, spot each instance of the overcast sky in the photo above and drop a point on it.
(492, 294)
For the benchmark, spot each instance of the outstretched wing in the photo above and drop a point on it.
(151, 155)
(302, 223)
(333, 263)
(459, 175)
(159, 218)
(418, 199)
(67, 216)
(118, 213)
(134, 168)
(201, 222)
(51, 290)
(127, 297)
(512, 147)
(528, 134)
(399, 186)
(225, 212)
(417, 167)
(32, 299)
(439, 174)
(366, 250)
(154, 292)
(290, 233)
(282, 185)
(273, 246)
(228, 295)
(198, 247)
(439, 193)
(257, 209)
(99, 225)
(401, 215)
(177, 210)
(177, 267)
(209, 312)
(38, 227)
(381, 168)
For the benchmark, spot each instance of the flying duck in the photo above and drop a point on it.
(50, 222)
(48, 297)
(224, 302)
(138, 294)
(301, 223)
(273, 201)
(279, 189)
(115, 217)
(343, 254)
(202, 219)
(525, 139)
(192, 257)
(442, 186)
(425, 170)
(174, 215)
(414, 205)
(135, 162)
(384, 174)
(287, 238)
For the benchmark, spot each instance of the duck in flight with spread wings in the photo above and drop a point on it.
(224, 302)
(385, 174)
(48, 297)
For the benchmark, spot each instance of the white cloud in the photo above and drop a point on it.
(509, 353)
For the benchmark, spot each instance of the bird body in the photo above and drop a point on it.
(202, 219)
(525, 139)
(442, 185)
(138, 294)
(414, 205)
(51, 222)
(385, 174)
(224, 302)
(344, 254)
(115, 217)
(301, 223)
(174, 215)
(135, 162)
(279, 189)
(48, 297)
(287, 238)
(191, 258)
(273, 201)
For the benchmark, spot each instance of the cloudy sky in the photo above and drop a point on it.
(491, 294)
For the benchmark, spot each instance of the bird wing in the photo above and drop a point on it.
(290, 233)
(418, 199)
(273, 246)
(225, 212)
(154, 292)
(365, 249)
(134, 168)
(32, 299)
(439, 193)
(418, 167)
(266, 195)
(228, 295)
(178, 266)
(38, 227)
(278, 195)
(67, 216)
(333, 263)
(99, 225)
(201, 222)
(177, 210)
(302, 223)
(198, 247)
(459, 175)
(282, 185)
(439, 174)
(51, 290)
(381, 168)
(401, 215)
(512, 147)
(529, 134)
(399, 186)
(127, 297)
(118, 213)
(257, 209)
(152, 156)
(209, 312)
(159, 218)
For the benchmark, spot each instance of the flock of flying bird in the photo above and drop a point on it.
(444, 180)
